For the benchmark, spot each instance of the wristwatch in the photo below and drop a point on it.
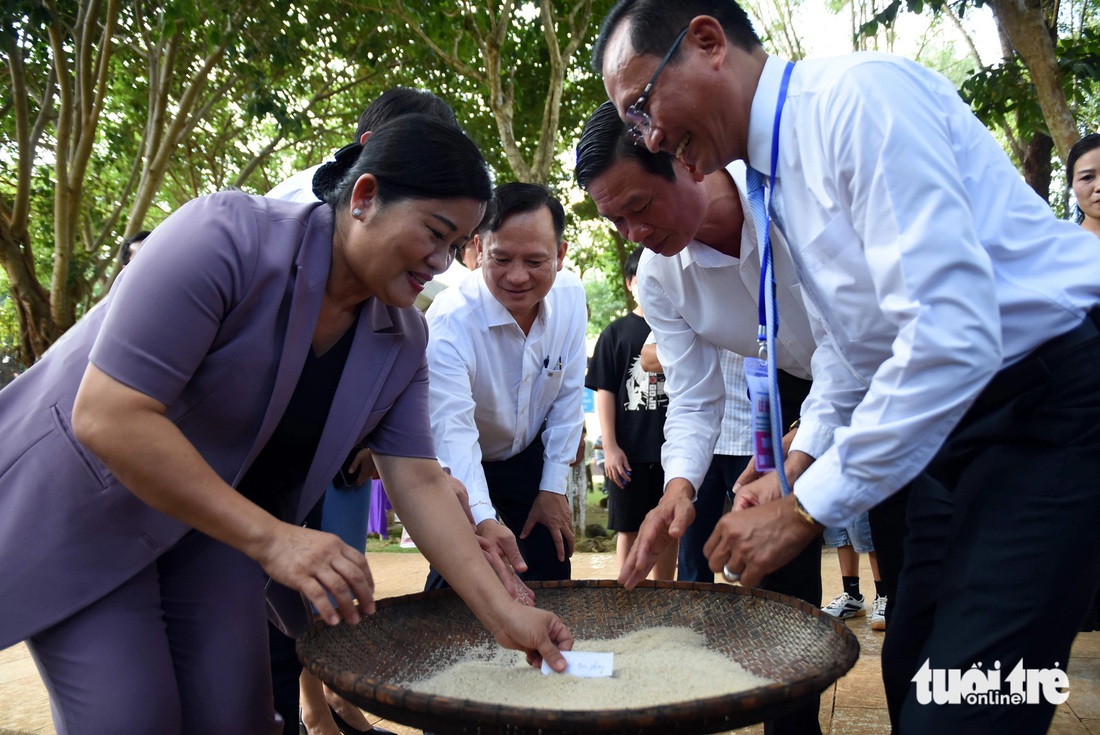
(801, 509)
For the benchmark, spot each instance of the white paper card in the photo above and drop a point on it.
(585, 664)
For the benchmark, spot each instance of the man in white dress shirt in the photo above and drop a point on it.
(935, 274)
(699, 282)
(506, 355)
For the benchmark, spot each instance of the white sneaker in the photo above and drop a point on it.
(878, 613)
(845, 606)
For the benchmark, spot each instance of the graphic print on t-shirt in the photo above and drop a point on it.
(644, 391)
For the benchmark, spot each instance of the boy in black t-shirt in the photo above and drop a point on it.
(630, 405)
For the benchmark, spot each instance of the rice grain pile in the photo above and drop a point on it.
(653, 666)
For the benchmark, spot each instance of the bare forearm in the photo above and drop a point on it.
(154, 460)
(605, 412)
(428, 507)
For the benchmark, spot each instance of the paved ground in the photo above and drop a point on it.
(855, 705)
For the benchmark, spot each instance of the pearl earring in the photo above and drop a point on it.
(357, 213)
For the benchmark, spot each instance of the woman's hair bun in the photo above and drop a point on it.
(327, 180)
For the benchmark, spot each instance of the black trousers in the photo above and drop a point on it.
(513, 486)
(888, 531)
(710, 504)
(1002, 558)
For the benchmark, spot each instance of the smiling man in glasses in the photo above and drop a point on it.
(934, 274)
(636, 114)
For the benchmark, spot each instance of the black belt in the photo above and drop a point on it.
(1089, 328)
(1033, 369)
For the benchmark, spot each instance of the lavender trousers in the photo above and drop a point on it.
(179, 648)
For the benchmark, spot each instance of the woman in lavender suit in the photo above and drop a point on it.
(157, 461)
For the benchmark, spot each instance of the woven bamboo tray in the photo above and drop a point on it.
(783, 639)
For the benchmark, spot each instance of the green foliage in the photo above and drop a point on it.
(287, 87)
(998, 91)
(456, 71)
(10, 366)
(885, 18)
(994, 92)
(605, 301)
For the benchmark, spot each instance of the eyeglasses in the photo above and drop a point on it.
(636, 115)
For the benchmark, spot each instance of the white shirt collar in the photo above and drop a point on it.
(762, 114)
(493, 311)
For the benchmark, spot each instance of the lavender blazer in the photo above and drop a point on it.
(214, 319)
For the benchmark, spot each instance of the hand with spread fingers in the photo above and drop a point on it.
(506, 571)
(502, 544)
(662, 526)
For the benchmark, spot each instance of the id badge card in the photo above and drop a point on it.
(756, 375)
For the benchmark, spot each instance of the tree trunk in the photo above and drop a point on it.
(1035, 164)
(1025, 24)
(32, 302)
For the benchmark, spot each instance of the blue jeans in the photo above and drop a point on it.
(856, 534)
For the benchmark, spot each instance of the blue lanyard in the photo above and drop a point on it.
(767, 278)
(767, 298)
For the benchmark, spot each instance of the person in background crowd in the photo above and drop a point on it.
(471, 254)
(1083, 173)
(130, 247)
(630, 406)
(850, 541)
(392, 103)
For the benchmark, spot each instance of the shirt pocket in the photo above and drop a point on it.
(549, 385)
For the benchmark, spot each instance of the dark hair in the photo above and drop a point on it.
(419, 157)
(1080, 148)
(654, 25)
(605, 140)
(388, 106)
(398, 101)
(517, 198)
(124, 253)
(630, 265)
